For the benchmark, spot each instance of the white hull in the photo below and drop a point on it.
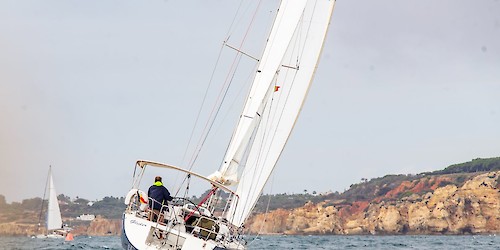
(140, 233)
(49, 236)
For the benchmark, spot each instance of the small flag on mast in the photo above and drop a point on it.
(276, 88)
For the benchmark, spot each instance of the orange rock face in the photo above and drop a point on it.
(433, 208)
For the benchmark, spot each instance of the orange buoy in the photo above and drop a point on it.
(69, 237)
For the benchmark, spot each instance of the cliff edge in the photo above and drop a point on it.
(425, 205)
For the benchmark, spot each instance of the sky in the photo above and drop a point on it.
(89, 87)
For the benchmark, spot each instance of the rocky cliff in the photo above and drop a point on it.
(100, 227)
(428, 205)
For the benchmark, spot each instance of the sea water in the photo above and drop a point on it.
(283, 242)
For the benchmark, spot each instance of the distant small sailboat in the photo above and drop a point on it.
(54, 226)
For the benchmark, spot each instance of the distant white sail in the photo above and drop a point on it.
(54, 220)
(282, 108)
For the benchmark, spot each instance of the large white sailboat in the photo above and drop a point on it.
(280, 85)
(54, 224)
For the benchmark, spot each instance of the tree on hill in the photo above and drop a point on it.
(63, 198)
(81, 201)
(3, 202)
(476, 165)
(33, 204)
(109, 207)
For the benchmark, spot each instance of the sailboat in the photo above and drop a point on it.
(54, 225)
(280, 85)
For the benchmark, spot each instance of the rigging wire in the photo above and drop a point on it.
(210, 82)
(210, 122)
(215, 110)
(237, 97)
(208, 87)
(223, 92)
(266, 213)
(221, 97)
(43, 200)
(203, 102)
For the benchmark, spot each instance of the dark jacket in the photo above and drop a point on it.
(160, 194)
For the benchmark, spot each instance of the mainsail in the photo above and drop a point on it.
(54, 220)
(287, 67)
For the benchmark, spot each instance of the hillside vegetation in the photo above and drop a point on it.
(30, 210)
(367, 190)
(476, 165)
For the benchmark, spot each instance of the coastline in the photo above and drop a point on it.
(471, 208)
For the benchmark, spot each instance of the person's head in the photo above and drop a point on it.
(158, 178)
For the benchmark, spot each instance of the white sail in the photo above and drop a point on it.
(54, 220)
(283, 106)
(288, 16)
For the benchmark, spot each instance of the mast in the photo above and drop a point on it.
(43, 200)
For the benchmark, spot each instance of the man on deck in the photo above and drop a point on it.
(158, 196)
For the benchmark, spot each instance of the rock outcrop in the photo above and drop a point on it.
(424, 206)
(100, 227)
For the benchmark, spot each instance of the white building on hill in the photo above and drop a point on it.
(86, 217)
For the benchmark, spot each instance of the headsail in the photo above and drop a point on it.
(293, 77)
(54, 220)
